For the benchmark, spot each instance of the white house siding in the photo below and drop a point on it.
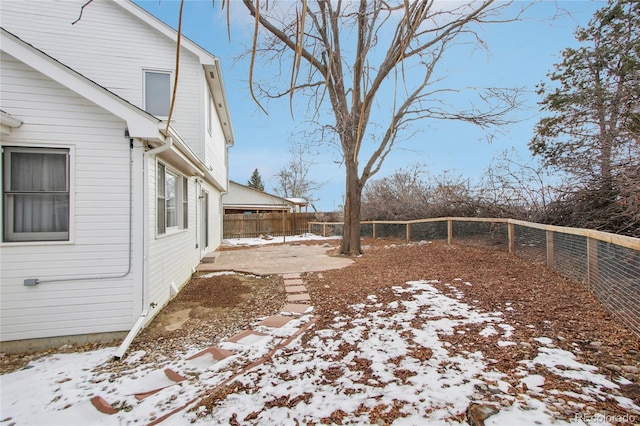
(111, 47)
(54, 116)
(171, 256)
(215, 218)
(215, 154)
(174, 256)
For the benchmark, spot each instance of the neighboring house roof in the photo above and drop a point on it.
(298, 201)
(242, 196)
(210, 62)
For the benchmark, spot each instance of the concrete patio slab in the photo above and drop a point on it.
(280, 259)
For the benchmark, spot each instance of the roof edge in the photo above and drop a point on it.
(141, 124)
(203, 54)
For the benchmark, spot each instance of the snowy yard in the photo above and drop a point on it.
(409, 352)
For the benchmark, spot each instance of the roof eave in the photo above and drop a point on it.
(140, 123)
(205, 56)
(215, 82)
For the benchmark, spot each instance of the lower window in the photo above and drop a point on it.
(35, 194)
(172, 193)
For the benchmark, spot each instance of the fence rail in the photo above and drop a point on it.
(608, 264)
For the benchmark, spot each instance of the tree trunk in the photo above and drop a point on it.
(351, 232)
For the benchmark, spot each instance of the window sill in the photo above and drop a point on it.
(171, 232)
(35, 243)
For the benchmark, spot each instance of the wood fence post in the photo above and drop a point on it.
(408, 225)
(592, 263)
(511, 236)
(374, 230)
(550, 259)
(449, 231)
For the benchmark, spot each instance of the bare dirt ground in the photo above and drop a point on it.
(538, 301)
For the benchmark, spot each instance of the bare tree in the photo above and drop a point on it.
(359, 56)
(402, 195)
(293, 178)
(510, 187)
(514, 188)
(412, 193)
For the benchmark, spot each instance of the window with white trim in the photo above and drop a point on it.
(172, 200)
(157, 93)
(185, 203)
(35, 194)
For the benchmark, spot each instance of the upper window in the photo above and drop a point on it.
(172, 200)
(157, 93)
(36, 194)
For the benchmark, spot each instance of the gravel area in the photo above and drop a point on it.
(208, 310)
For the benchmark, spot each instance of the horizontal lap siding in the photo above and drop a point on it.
(215, 219)
(112, 48)
(216, 152)
(172, 257)
(55, 116)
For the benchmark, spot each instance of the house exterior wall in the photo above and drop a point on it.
(215, 154)
(113, 48)
(54, 116)
(174, 255)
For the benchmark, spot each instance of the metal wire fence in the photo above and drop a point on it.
(608, 264)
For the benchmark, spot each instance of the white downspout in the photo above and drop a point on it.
(145, 251)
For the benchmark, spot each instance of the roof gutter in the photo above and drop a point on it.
(162, 148)
(8, 122)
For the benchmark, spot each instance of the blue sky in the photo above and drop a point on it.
(520, 54)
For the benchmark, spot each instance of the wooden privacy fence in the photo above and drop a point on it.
(256, 224)
(608, 264)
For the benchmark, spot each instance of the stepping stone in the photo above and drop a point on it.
(102, 405)
(303, 297)
(293, 282)
(210, 259)
(290, 276)
(295, 289)
(248, 337)
(173, 376)
(143, 395)
(154, 382)
(275, 321)
(218, 354)
(295, 308)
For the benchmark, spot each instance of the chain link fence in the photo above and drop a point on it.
(608, 264)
